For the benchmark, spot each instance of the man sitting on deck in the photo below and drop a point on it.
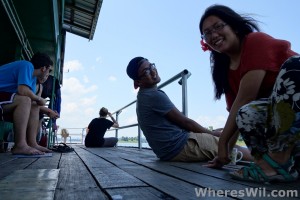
(19, 103)
(171, 135)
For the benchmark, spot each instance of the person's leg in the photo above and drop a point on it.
(251, 121)
(272, 137)
(285, 111)
(92, 142)
(110, 142)
(296, 154)
(32, 127)
(39, 131)
(199, 147)
(21, 110)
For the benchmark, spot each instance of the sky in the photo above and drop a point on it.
(166, 32)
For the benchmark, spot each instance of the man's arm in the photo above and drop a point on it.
(24, 90)
(186, 123)
(116, 124)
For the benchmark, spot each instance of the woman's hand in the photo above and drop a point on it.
(222, 158)
(215, 163)
(218, 162)
(223, 153)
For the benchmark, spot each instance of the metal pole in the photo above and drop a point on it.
(82, 134)
(184, 95)
(117, 118)
(139, 138)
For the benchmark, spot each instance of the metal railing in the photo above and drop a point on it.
(183, 76)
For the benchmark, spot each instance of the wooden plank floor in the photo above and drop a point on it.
(131, 173)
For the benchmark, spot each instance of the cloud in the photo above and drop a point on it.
(77, 103)
(131, 120)
(112, 78)
(89, 111)
(88, 101)
(99, 59)
(70, 107)
(215, 122)
(86, 79)
(72, 86)
(73, 65)
(135, 91)
(93, 67)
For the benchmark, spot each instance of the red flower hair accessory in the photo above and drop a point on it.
(204, 46)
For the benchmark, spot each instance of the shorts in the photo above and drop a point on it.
(6, 98)
(199, 147)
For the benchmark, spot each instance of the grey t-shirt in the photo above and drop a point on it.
(164, 137)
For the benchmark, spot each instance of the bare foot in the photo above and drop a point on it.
(42, 149)
(266, 168)
(25, 150)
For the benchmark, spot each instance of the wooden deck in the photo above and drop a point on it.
(122, 173)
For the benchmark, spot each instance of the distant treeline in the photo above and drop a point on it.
(131, 139)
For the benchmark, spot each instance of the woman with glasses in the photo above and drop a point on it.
(259, 76)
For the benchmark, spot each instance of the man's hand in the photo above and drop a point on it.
(53, 114)
(41, 101)
(216, 133)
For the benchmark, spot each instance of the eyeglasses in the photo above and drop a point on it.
(148, 70)
(216, 28)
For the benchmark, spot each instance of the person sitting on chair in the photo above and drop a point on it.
(18, 102)
(97, 128)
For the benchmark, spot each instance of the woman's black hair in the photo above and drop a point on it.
(242, 25)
